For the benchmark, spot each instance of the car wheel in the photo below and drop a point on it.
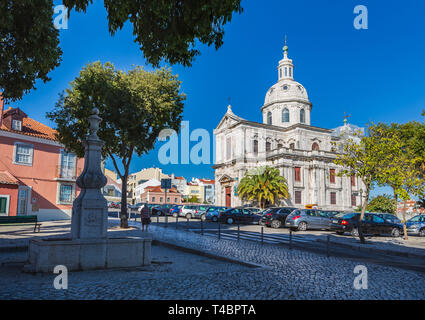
(355, 232)
(395, 232)
(422, 233)
(229, 220)
(302, 226)
(276, 224)
(188, 216)
(214, 219)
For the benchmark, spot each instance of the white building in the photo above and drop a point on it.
(304, 154)
(140, 189)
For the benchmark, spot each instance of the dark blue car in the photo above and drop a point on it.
(238, 215)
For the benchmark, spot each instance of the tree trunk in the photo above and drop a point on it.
(123, 213)
(361, 236)
(404, 221)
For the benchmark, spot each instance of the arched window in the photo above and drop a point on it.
(255, 146)
(315, 147)
(302, 116)
(285, 115)
(292, 146)
(279, 146)
(269, 117)
(268, 145)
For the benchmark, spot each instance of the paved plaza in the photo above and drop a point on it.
(174, 274)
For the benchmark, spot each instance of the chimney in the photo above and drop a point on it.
(1, 108)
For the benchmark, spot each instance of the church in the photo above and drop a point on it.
(304, 154)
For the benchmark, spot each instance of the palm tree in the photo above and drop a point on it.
(266, 186)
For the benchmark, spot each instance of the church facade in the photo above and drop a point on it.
(285, 140)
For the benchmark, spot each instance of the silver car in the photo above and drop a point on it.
(416, 226)
(303, 219)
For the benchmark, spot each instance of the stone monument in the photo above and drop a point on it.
(89, 246)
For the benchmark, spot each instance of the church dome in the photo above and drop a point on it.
(286, 90)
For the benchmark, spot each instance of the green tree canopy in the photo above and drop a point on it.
(29, 45)
(135, 106)
(168, 29)
(383, 203)
(265, 185)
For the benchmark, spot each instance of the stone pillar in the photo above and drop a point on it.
(90, 209)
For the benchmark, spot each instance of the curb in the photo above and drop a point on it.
(208, 254)
(382, 251)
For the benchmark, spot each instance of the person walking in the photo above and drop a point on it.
(145, 214)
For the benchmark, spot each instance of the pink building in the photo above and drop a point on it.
(37, 175)
(156, 195)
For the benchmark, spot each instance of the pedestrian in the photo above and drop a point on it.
(145, 214)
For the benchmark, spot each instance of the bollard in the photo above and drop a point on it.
(262, 235)
(239, 231)
(177, 220)
(327, 249)
(187, 222)
(290, 239)
(219, 230)
(166, 221)
(202, 227)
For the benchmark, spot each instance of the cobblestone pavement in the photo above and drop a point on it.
(291, 274)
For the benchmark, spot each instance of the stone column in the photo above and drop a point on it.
(90, 210)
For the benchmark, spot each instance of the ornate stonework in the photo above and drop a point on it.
(285, 144)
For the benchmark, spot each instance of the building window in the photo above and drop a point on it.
(66, 193)
(17, 125)
(280, 73)
(302, 116)
(279, 146)
(168, 199)
(332, 175)
(297, 171)
(290, 72)
(4, 205)
(268, 146)
(175, 200)
(160, 199)
(153, 199)
(333, 197)
(353, 180)
(228, 148)
(269, 117)
(353, 200)
(292, 146)
(286, 71)
(255, 146)
(23, 153)
(315, 147)
(297, 197)
(285, 115)
(68, 164)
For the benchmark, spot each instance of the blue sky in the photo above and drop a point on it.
(373, 75)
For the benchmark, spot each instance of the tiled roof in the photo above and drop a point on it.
(207, 181)
(7, 178)
(31, 127)
(180, 178)
(158, 189)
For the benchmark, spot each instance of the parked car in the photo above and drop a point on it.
(254, 209)
(416, 225)
(175, 209)
(303, 219)
(238, 215)
(372, 224)
(187, 211)
(389, 216)
(212, 213)
(161, 209)
(200, 210)
(276, 217)
(135, 206)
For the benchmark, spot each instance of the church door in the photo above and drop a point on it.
(228, 196)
